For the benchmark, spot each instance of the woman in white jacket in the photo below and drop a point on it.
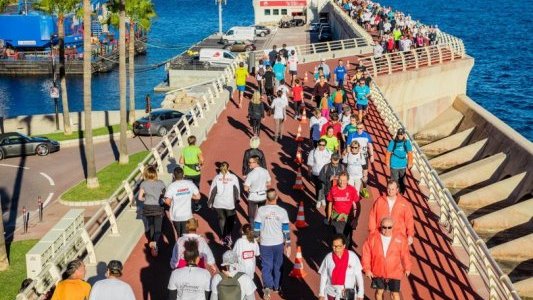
(207, 260)
(223, 195)
(341, 274)
(317, 159)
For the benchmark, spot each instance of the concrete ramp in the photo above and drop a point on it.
(449, 143)
(458, 156)
(442, 126)
(503, 219)
(524, 288)
(474, 173)
(514, 254)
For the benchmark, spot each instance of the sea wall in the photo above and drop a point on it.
(419, 96)
(40, 124)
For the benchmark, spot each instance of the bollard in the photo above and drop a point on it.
(40, 205)
(25, 218)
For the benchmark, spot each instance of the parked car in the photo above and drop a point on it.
(240, 47)
(216, 57)
(160, 122)
(17, 144)
(296, 22)
(261, 30)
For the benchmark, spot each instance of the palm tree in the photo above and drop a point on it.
(92, 180)
(140, 13)
(123, 143)
(4, 262)
(61, 8)
(3, 5)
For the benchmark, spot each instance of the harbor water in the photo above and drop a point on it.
(496, 34)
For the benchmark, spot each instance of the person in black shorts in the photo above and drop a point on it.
(270, 82)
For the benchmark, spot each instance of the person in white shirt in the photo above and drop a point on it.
(206, 258)
(279, 105)
(223, 196)
(112, 288)
(271, 225)
(341, 275)
(317, 159)
(293, 65)
(179, 196)
(256, 184)
(285, 89)
(190, 282)
(247, 250)
(230, 269)
(315, 124)
(354, 160)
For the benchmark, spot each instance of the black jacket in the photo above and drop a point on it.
(327, 171)
(256, 111)
(249, 153)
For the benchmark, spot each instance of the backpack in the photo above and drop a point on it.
(229, 287)
(394, 148)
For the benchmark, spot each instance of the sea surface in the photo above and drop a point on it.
(496, 33)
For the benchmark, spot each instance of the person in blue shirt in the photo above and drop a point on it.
(399, 157)
(340, 72)
(279, 70)
(361, 92)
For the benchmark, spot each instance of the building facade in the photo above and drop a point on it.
(272, 11)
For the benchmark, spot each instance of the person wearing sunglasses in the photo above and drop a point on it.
(317, 159)
(386, 259)
(354, 160)
(355, 131)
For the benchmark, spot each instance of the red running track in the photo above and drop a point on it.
(437, 272)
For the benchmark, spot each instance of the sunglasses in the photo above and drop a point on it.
(251, 162)
(323, 145)
(360, 128)
(386, 227)
(354, 148)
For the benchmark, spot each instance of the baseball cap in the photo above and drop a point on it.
(400, 131)
(229, 258)
(322, 59)
(115, 266)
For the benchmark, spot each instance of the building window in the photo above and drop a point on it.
(284, 12)
(275, 12)
(267, 12)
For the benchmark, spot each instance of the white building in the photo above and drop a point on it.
(271, 11)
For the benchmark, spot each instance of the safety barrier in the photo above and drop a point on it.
(104, 221)
(480, 261)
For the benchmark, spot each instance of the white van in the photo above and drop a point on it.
(239, 34)
(216, 57)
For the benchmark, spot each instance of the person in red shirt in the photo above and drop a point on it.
(386, 259)
(333, 122)
(395, 206)
(297, 98)
(343, 207)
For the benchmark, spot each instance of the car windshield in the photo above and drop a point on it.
(152, 116)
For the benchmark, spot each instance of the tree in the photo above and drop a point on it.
(61, 8)
(140, 13)
(4, 262)
(123, 143)
(92, 180)
(3, 5)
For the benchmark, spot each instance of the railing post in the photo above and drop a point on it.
(141, 167)
(112, 219)
(415, 54)
(168, 145)
(158, 160)
(374, 66)
(440, 54)
(472, 269)
(404, 64)
(389, 64)
(194, 118)
(314, 48)
(428, 55)
(200, 110)
(129, 191)
(178, 133)
(89, 246)
(206, 103)
(211, 96)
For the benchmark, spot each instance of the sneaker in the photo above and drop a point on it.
(318, 204)
(266, 293)
(197, 207)
(323, 203)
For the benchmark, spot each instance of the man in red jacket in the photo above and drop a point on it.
(386, 259)
(398, 208)
(343, 207)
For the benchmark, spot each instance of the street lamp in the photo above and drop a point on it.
(219, 2)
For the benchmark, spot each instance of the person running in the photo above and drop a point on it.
(206, 259)
(340, 73)
(321, 88)
(112, 288)
(179, 196)
(279, 105)
(399, 158)
(253, 151)
(292, 63)
(386, 259)
(343, 207)
(256, 112)
(330, 173)
(341, 274)
(285, 89)
(334, 122)
(325, 68)
(279, 70)
(247, 250)
(332, 142)
(190, 282)
(356, 132)
(241, 74)
(273, 55)
(270, 84)
(231, 283)
(256, 184)
(271, 226)
(151, 192)
(361, 92)
(298, 98)
(192, 160)
(315, 123)
(355, 161)
(73, 287)
(395, 206)
(317, 159)
(223, 197)
(325, 105)
(339, 98)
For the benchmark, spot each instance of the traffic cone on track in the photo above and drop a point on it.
(299, 137)
(298, 269)
(300, 217)
(303, 120)
(298, 184)
(298, 158)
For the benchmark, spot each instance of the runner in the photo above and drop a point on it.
(339, 98)
(270, 83)
(223, 197)
(298, 98)
(247, 250)
(241, 74)
(256, 184)
(315, 123)
(206, 259)
(317, 159)
(321, 88)
(356, 132)
(292, 63)
(343, 207)
(330, 173)
(279, 106)
(112, 288)
(253, 151)
(192, 160)
(332, 142)
(256, 112)
(230, 283)
(355, 161)
(399, 158)
(259, 76)
(361, 92)
(279, 70)
(339, 74)
(150, 193)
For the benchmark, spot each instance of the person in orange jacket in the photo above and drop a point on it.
(398, 208)
(399, 158)
(386, 259)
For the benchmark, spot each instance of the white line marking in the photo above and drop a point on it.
(13, 166)
(52, 183)
(47, 201)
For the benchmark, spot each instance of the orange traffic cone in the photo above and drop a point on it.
(300, 217)
(298, 158)
(298, 269)
(298, 184)
(299, 137)
(303, 120)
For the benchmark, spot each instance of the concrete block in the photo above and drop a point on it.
(449, 143)
(458, 156)
(525, 288)
(517, 250)
(506, 218)
(473, 173)
(441, 126)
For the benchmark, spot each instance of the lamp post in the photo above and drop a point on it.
(219, 2)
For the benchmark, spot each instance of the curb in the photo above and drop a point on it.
(82, 203)
(96, 139)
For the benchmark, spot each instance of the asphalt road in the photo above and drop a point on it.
(24, 179)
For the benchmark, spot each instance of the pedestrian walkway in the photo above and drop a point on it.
(437, 272)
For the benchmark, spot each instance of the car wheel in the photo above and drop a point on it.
(262, 34)
(1, 155)
(42, 150)
(162, 131)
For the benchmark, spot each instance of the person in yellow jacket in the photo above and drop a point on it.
(241, 74)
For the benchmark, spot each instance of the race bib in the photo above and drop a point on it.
(248, 254)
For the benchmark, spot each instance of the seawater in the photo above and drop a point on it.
(495, 33)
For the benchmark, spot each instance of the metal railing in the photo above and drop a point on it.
(105, 219)
(480, 261)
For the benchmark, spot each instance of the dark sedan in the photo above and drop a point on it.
(17, 144)
(160, 122)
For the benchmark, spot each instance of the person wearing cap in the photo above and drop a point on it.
(386, 259)
(361, 92)
(399, 158)
(112, 288)
(340, 273)
(253, 151)
(317, 159)
(256, 184)
(73, 287)
(271, 226)
(220, 288)
(343, 207)
(330, 173)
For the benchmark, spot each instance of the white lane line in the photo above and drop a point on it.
(52, 183)
(14, 166)
(47, 201)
